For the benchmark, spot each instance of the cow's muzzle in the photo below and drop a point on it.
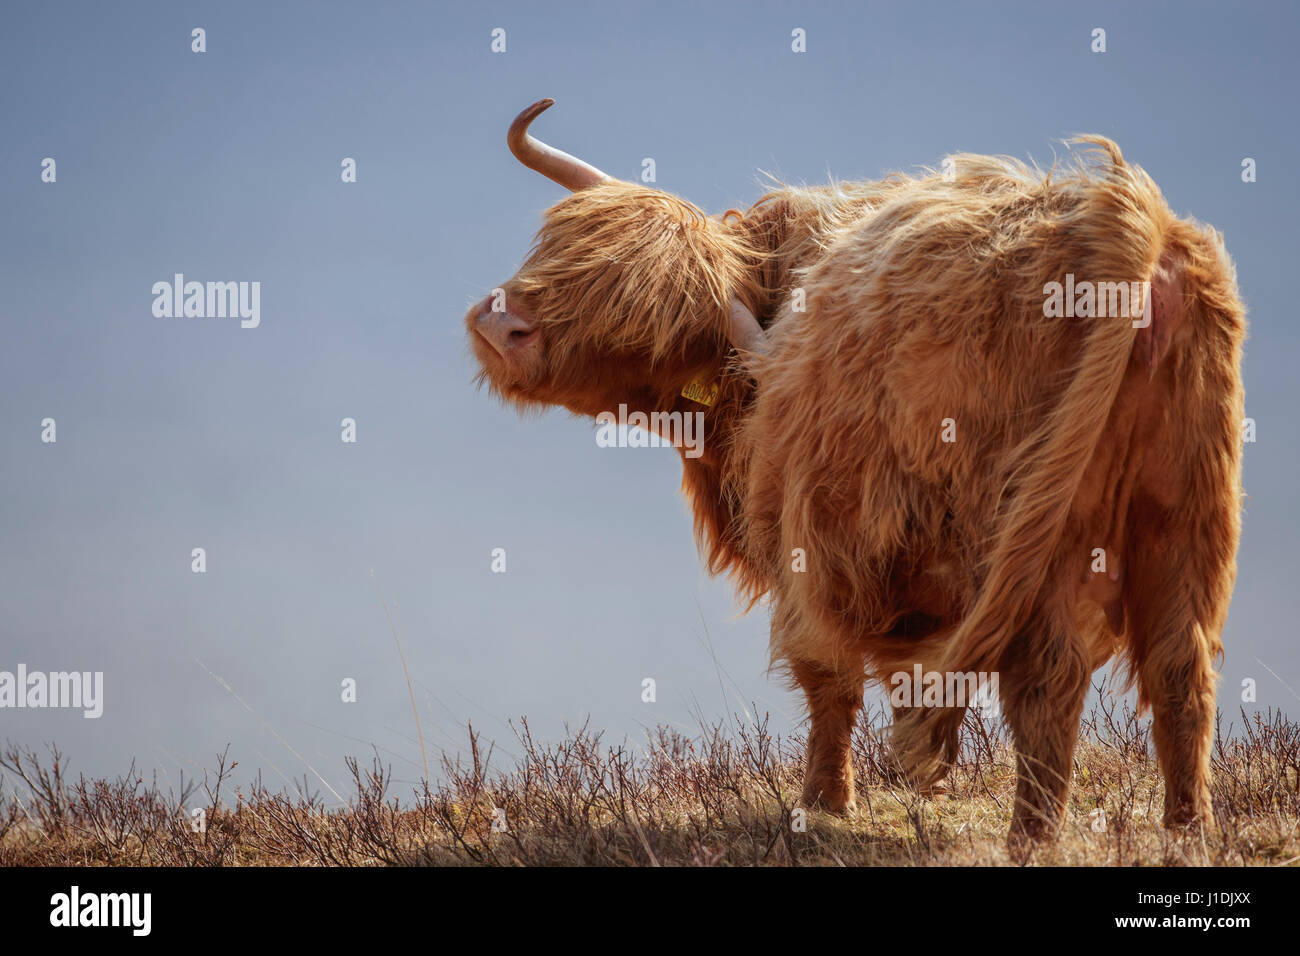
(506, 331)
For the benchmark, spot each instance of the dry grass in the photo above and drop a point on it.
(724, 797)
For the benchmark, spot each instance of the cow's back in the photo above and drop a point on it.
(899, 413)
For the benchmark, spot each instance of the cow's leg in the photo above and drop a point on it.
(1173, 635)
(834, 699)
(1043, 691)
(926, 758)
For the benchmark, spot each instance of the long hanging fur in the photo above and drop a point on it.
(924, 304)
(1116, 200)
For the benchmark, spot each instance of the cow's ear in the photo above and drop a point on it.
(743, 331)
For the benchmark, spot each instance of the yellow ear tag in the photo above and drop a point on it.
(701, 390)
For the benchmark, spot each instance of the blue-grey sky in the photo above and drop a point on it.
(177, 433)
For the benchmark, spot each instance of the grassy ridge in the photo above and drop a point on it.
(727, 796)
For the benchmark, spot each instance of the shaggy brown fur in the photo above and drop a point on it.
(925, 305)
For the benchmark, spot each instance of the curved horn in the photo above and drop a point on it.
(569, 171)
(743, 330)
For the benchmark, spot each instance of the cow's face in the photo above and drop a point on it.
(626, 295)
(621, 297)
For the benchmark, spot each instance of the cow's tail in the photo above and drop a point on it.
(1116, 227)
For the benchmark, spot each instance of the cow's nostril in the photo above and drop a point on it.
(505, 331)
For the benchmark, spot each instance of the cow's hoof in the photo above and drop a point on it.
(1026, 838)
(1188, 815)
(838, 801)
(1021, 847)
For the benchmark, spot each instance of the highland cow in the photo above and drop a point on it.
(909, 450)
